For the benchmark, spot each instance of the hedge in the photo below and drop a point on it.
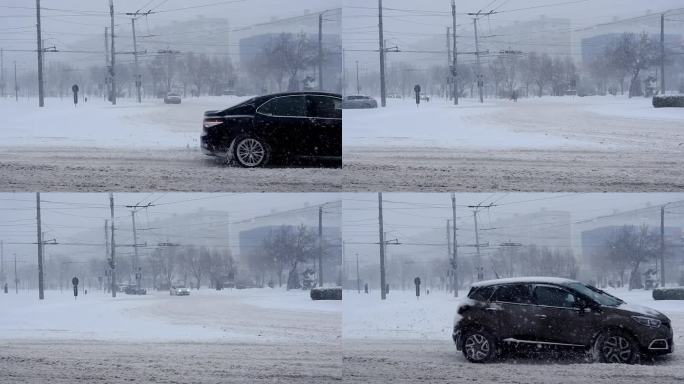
(668, 101)
(326, 293)
(668, 293)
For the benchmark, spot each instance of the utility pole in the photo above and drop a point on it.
(382, 247)
(2, 74)
(383, 96)
(448, 235)
(41, 294)
(478, 262)
(448, 41)
(16, 87)
(39, 42)
(454, 245)
(358, 279)
(662, 246)
(112, 260)
(113, 62)
(320, 246)
(135, 244)
(138, 79)
(16, 280)
(107, 91)
(358, 85)
(454, 69)
(480, 82)
(320, 51)
(662, 53)
(2, 260)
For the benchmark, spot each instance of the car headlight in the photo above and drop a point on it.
(647, 321)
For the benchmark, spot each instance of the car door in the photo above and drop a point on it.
(512, 304)
(325, 113)
(565, 319)
(283, 122)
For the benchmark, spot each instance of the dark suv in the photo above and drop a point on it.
(555, 312)
(288, 126)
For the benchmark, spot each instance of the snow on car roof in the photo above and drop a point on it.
(533, 279)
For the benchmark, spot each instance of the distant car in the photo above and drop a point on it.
(557, 313)
(179, 291)
(302, 125)
(134, 290)
(359, 102)
(172, 98)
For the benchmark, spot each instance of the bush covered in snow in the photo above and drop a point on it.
(326, 293)
(663, 101)
(668, 293)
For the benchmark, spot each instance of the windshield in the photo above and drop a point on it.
(596, 294)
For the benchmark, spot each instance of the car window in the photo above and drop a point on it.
(553, 297)
(513, 293)
(324, 106)
(289, 106)
(482, 293)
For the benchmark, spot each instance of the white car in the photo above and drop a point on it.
(179, 291)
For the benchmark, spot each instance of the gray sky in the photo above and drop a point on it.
(409, 23)
(67, 22)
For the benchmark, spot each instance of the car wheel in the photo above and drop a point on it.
(250, 152)
(614, 346)
(478, 346)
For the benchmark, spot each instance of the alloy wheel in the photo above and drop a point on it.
(250, 152)
(476, 347)
(617, 349)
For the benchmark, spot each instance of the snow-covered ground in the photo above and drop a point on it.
(409, 341)
(205, 315)
(550, 144)
(151, 124)
(232, 336)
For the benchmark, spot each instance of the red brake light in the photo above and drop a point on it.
(208, 123)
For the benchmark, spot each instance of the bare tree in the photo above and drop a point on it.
(631, 54)
(633, 246)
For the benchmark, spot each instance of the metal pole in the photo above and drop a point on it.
(16, 87)
(138, 78)
(662, 246)
(448, 235)
(455, 53)
(112, 260)
(106, 90)
(480, 82)
(41, 101)
(448, 39)
(382, 248)
(113, 59)
(478, 263)
(358, 85)
(41, 294)
(135, 243)
(320, 246)
(454, 245)
(383, 96)
(320, 51)
(662, 53)
(16, 280)
(358, 279)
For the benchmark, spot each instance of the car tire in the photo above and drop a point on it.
(250, 152)
(478, 346)
(617, 347)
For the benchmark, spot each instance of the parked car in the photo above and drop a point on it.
(172, 98)
(359, 102)
(179, 291)
(134, 290)
(294, 125)
(560, 313)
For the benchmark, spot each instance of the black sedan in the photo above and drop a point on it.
(287, 126)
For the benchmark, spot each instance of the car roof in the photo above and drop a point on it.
(527, 280)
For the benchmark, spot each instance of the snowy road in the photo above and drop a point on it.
(134, 170)
(244, 336)
(437, 361)
(130, 147)
(552, 144)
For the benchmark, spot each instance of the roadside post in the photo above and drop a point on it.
(74, 281)
(74, 89)
(416, 89)
(416, 281)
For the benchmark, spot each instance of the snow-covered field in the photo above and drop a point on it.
(129, 147)
(255, 335)
(547, 144)
(407, 340)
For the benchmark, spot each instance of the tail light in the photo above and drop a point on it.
(208, 123)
